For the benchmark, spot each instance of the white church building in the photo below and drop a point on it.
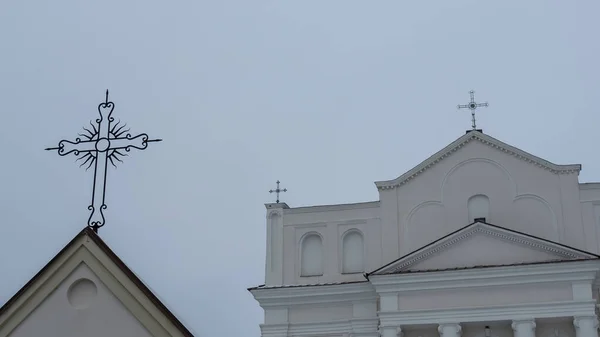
(479, 240)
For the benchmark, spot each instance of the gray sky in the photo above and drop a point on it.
(327, 96)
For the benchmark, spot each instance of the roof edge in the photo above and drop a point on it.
(116, 260)
(488, 140)
(388, 268)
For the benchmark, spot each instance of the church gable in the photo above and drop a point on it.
(87, 289)
(481, 244)
(486, 140)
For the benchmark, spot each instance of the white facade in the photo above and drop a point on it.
(479, 234)
(86, 290)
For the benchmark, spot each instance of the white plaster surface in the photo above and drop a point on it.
(92, 315)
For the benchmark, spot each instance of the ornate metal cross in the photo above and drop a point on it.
(277, 191)
(102, 143)
(472, 106)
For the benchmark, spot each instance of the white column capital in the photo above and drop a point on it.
(449, 329)
(523, 324)
(585, 322)
(523, 327)
(390, 331)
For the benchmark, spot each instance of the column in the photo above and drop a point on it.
(586, 326)
(523, 328)
(390, 331)
(450, 330)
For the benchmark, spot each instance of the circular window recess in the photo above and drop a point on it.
(81, 293)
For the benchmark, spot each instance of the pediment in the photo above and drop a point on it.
(87, 290)
(476, 135)
(483, 245)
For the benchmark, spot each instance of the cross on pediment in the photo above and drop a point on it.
(472, 105)
(104, 142)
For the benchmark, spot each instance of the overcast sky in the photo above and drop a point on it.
(327, 96)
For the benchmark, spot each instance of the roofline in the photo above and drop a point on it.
(488, 140)
(116, 260)
(486, 266)
(596, 256)
(333, 207)
(23, 289)
(265, 287)
(589, 186)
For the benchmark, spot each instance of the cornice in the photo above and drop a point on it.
(487, 140)
(573, 271)
(589, 186)
(317, 294)
(331, 208)
(354, 327)
(489, 313)
(483, 228)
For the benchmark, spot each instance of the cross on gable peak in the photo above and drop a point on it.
(98, 145)
(472, 105)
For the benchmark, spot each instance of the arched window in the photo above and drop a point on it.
(311, 258)
(353, 253)
(479, 207)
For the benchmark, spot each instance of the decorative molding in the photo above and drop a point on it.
(485, 229)
(589, 186)
(274, 213)
(308, 225)
(487, 140)
(330, 208)
(314, 295)
(488, 314)
(489, 161)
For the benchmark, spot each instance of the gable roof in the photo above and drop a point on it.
(16, 302)
(401, 264)
(485, 139)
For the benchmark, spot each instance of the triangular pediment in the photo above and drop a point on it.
(87, 290)
(483, 245)
(475, 135)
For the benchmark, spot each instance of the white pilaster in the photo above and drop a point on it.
(586, 326)
(524, 328)
(450, 330)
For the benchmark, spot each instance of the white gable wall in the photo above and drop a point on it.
(81, 313)
(522, 196)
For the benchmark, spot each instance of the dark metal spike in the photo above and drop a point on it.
(89, 157)
(115, 126)
(94, 127)
(119, 132)
(121, 154)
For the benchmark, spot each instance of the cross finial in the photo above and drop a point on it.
(105, 142)
(472, 106)
(277, 191)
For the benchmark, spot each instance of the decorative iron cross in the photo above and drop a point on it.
(102, 143)
(472, 106)
(277, 191)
